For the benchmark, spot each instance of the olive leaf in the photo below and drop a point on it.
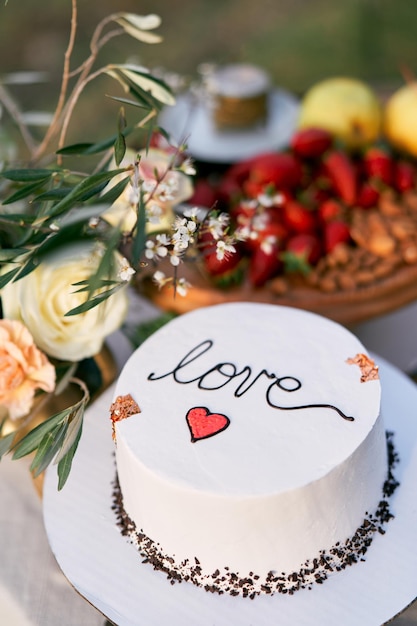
(139, 241)
(6, 443)
(110, 196)
(79, 193)
(33, 439)
(56, 438)
(11, 254)
(71, 434)
(128, 101)
(47, 449)
(141, 79)
(137, 26)
(8, 276)
(65, 464)
(119, 148)
(29, 175)
(24, 192)
(95, 300)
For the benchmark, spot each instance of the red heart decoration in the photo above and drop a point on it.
(203, 424)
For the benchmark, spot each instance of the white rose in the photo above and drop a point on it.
(175, 187)
(41, 299)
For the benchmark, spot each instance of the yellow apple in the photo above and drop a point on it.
(346, 107)
(400, 119)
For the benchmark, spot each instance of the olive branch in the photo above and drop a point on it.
(63, 205)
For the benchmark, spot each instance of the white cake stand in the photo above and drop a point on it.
(108, 572)
(190, 121)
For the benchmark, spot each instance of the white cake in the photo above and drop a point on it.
(257, 449)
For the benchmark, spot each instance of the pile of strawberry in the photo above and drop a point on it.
(295, 207)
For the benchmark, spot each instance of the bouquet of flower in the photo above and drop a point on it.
(71, 240)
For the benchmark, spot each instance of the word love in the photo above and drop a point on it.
(226, 373)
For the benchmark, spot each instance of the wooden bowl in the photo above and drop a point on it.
(348, 307)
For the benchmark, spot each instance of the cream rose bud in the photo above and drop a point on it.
(41, 299)
(23, 369)
(174, 188)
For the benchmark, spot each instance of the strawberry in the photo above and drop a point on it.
(368, 195)
(334, 233)
(311, 142)
(342, 173)
(264, 263)
(298, 218)
(301, 252)
(378, 164)
(229, 190)
(404, 176)
(231, 183)
(253, 188)
(204, 194)
(277, 168)
(313, 195)
(329, 210)
(239, 172)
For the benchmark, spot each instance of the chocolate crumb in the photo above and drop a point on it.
(222, 580)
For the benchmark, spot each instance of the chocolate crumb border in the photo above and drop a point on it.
(313, 571)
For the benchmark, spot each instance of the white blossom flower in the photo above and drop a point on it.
(188, 167)
(268, 244)
(160, 279)
(163, 239)
(152, 175)
(191, 226)
(126, 270)
(154, 213)
(150, 249)
(223, 249)
(260, 221)
(182, 287)
(149, 186)
(179, 222)
(180, 240)
(156, 249)
(167, 189)
(249, 203)
(243, 233)
(192, 213)
(133, 195)
(183, 234)
(174, 259)
(218, 224)
(267, 200)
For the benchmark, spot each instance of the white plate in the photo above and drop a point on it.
(190, 121)
(108, 572)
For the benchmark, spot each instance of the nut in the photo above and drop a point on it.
(382, 245)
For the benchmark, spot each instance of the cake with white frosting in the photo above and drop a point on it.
(254, 456)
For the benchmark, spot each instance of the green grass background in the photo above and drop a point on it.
(298, 41)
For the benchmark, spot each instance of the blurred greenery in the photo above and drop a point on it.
(298, 41)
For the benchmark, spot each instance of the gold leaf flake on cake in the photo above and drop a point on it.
(369, 371)
(122, 407)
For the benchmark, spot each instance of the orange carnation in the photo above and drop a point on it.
(23, 370)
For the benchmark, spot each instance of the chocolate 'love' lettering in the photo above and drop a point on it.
(223, 373)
